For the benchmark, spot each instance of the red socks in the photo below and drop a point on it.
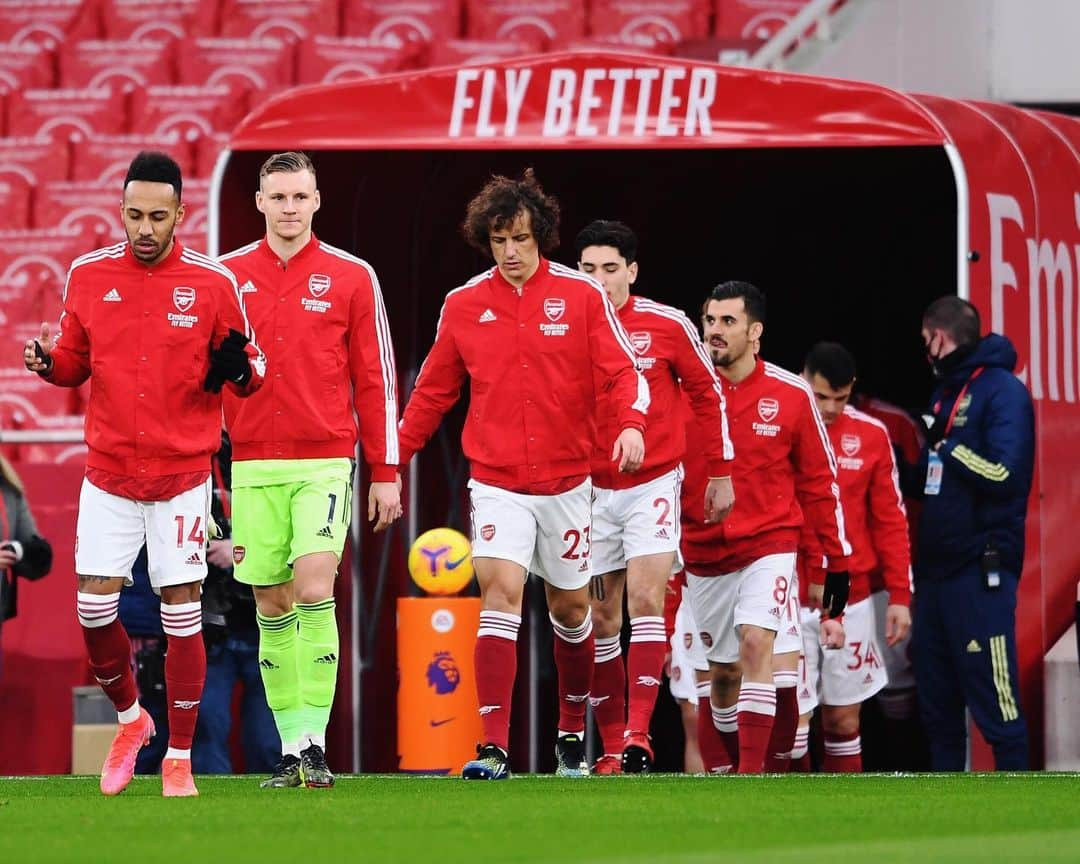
(608, 694)
(644, 666)
(782, 740)
(108, 646)
(843, 754)
(496, 665)
(756, 711)
(185, 669)
(575, 655)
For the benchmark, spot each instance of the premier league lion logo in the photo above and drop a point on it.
(443, 673)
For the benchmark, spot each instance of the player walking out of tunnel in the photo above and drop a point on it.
(532, 336)
(159, 330)
(321, 310)
(740, 573)
(636, 516)
(876, 525)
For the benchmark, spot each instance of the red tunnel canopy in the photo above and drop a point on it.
(596, 100)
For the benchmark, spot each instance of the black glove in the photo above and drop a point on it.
(834, 599)
(228, 363)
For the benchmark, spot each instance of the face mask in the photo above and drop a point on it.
(944, 366)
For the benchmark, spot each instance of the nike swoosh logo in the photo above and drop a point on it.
(435, 723)
(453, 565)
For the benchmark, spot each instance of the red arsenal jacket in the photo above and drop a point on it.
(670, 356)
(873, 510)
(322, 321)
(785, 471)
(530, 359)
(143, 336)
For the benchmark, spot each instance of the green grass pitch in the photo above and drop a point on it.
(667, 819)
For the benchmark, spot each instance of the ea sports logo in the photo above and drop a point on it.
(850, 444)
(183, 297)
(767, 409)
(641, 341)
(318, 284)
(554, 308)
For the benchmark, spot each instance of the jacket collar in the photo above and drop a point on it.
(305, 252)
(166, 262)
(498, 279)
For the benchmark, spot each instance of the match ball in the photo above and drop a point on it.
(440, 561)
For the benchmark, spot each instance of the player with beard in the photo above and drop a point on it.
(159, 330)
(740, 573)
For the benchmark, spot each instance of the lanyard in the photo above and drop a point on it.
(959, 399)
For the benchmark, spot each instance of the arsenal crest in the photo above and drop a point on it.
(850, 444)
(641, 341)
(318, 284)
(767, 409)
(183, 297)
(554, 308)
(706, 638)
(238, 553)
(487, 532)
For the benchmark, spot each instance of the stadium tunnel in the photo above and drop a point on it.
(852, 206)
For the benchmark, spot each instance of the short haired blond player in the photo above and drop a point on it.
(320, 310)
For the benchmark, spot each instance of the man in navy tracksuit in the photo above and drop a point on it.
(974, 476)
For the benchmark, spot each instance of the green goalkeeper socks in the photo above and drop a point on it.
(317, 652)
(279, 669)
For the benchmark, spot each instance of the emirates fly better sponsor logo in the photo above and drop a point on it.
(183, 298)
(554, 307)
(767, 409)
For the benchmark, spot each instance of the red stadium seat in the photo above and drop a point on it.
(189, 111)
(206, 149)
(25, 66)
(104, 159)
(632, 45)
(115, 64)
(291, 21)
(47, 22)
(240, 64)
(662, 20)
(193, 231)
(26, 163)
(14, 200)
(456, 52)
(66, 112)
(339, 58)
(546, 20)
(400, 21)
(754, 19)
(158, 19)
(79, 205)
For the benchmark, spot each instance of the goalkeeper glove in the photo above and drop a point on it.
(229, 362)
(835, 597)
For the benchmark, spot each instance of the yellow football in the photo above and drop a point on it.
(440, 561)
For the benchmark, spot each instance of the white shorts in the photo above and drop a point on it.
(757, 595)
(549, 535)
(687, 654)
(641, 520)
(111, 530)
(789, 636)
(848, 675)
(897, 659)
(809, 667)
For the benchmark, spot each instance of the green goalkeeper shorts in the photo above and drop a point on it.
(283, 509)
